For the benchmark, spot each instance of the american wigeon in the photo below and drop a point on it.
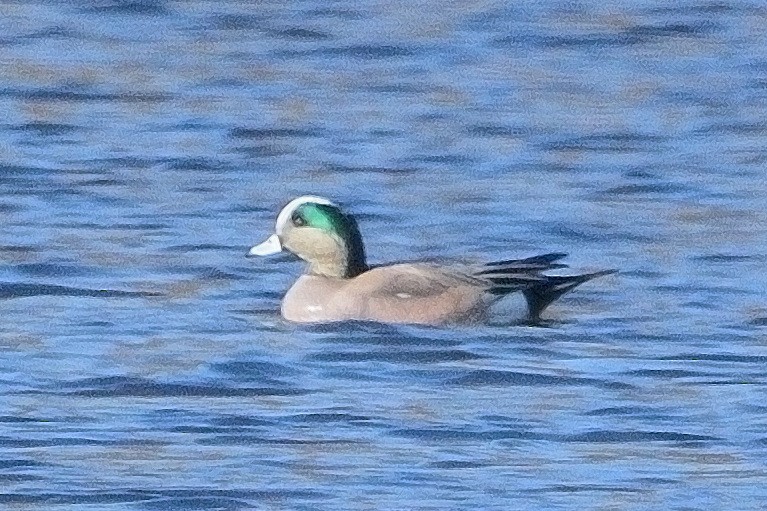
(339, 285)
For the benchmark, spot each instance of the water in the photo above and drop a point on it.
(144, 146)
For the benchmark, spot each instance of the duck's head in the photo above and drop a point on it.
(316, 230)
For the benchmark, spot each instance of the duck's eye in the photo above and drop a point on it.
(298, 220)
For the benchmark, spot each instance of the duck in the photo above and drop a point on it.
(339, 284)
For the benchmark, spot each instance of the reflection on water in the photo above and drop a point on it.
(146, 145)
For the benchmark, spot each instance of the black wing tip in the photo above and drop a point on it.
(548, 258)
(517, 269)
(539, 259)
(558, 280)
(601, 273)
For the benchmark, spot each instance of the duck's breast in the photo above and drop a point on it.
(311, 300)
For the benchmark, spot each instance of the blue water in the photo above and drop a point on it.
(145, 146)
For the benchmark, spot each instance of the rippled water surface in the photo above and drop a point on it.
(144, 146)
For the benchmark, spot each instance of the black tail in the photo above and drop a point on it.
(540, 295)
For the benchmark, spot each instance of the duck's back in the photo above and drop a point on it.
(401, 293)
(414, 293)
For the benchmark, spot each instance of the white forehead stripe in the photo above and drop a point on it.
(288, 210)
